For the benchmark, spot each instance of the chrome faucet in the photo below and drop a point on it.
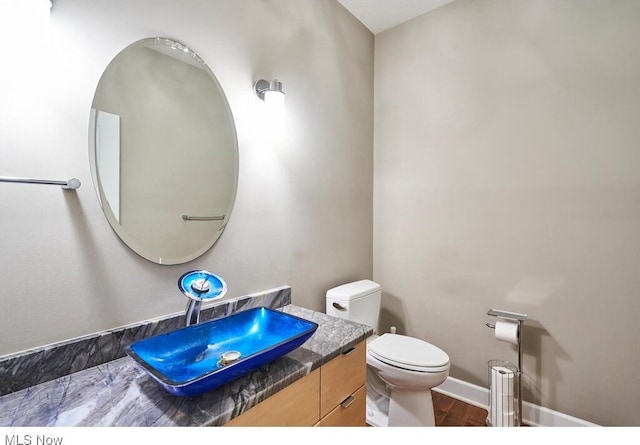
(200, 285)
(192, 315)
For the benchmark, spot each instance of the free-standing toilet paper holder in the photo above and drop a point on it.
(520, 318)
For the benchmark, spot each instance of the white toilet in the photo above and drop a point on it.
(401, 370)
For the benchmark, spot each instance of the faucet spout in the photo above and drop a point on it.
(199, 286)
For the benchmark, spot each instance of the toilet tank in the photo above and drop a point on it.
(358, 301)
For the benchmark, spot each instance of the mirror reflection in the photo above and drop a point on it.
(163, 151)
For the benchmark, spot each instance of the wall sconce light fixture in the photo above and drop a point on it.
(269, 91)
(273, 118)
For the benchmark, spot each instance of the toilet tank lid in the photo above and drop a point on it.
(351, 291)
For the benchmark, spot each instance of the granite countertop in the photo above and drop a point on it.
(120, 393)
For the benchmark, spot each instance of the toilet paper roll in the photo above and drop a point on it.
(507, 330)
(501, 411)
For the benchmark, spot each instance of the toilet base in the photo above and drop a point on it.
(403, 408)
(411, 408)
(377, 411)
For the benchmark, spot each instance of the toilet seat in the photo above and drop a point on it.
(409, 353)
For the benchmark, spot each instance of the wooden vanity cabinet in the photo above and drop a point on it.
(342, 389)
(295, 405)
(332, 395)
(351, 412)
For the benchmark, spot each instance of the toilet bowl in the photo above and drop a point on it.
(409, 368)
(401, 370)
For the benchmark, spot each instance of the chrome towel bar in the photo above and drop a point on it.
(203, 218)
(70, 184)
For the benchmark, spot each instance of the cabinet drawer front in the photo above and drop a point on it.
(296, 405)
(352, 412)
(341, 377)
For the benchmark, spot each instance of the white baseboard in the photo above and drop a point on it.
(532, 415)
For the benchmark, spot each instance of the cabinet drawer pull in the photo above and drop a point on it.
(348, 401)
(348, 351)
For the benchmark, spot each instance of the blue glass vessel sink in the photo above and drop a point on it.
(195, 359)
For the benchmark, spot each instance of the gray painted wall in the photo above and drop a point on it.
(506, 176)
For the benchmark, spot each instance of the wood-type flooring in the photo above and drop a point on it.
(453, 412)
(449, 411)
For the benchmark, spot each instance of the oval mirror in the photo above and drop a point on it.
(163, 151)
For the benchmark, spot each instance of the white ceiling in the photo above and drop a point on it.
(379, 15)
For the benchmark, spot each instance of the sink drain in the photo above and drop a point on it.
(229, 357)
